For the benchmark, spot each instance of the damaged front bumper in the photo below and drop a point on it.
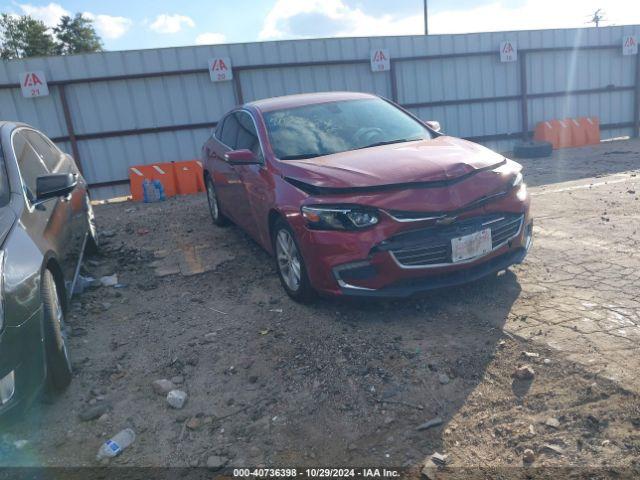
(420, 261)
(413, 286)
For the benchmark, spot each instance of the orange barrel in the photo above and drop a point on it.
(578, 132)
(546, 132)
(564, 133)
(591, 126)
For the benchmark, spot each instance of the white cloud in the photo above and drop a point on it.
(110, 27)
(334, 18)
(531, 15)
(210, 38)
(165, 23)
(107, 26)
(48, 14)
(313, 18)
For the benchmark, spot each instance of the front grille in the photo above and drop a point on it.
(504, 230)
(423, 256)
(432, 245)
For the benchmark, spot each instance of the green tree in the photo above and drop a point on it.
(76, 35)
(24, 37)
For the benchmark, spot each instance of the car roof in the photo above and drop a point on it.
(11, 124)
(299, 100)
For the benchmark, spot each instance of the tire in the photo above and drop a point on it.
(532, 149)
(294, 280)
(217, 216)
(56, 353)
(92, 247)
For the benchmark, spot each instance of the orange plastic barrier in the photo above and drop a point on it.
(545, 132)
(177, 178)
(578, 132)
(591, 126)
(564, 133)
(569, 132)
(189, 177)
(163, 172)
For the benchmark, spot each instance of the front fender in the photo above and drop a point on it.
(23, 266)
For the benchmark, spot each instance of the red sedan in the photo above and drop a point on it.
(355, 196)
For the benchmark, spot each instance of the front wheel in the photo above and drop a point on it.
(290, 264)
(93, 245)
(214, 204)
(55, 337)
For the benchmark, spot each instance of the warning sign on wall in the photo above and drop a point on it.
(380, 60)
(220, 69)
(33, 84)
(629, 45)
(508, 51)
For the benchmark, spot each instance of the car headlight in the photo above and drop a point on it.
(339, 218)
(517, 180)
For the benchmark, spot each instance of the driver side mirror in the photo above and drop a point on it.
(55, 185)
(241, 157)
(434, 125)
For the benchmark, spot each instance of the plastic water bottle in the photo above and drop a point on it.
(153, 191)
(159, 190)
(116, 444)
(149, 191)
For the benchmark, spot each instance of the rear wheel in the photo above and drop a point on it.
(55, 337)
(214, 204)
(290, 264)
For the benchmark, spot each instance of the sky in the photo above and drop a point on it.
(128, 25)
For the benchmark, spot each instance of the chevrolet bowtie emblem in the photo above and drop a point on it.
(446, 220)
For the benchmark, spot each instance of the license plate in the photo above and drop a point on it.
(471, 246)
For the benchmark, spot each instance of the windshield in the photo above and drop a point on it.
(326, 128)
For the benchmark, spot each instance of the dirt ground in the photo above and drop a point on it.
(274, 383)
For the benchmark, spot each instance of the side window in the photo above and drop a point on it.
(48, 152)
(30, 164)
(247, 135)
(230, 132)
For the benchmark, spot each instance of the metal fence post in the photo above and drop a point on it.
(394, 80)
(524, 102)
(237, 87)
(69, 123)
(636, 98)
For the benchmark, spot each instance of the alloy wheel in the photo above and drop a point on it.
(213, 201)
(60, 319)
(288, 257)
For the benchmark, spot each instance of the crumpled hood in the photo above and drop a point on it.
(440, 159)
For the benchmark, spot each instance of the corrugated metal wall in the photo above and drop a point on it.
(192, 98)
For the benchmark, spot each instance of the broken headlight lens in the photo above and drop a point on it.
(339, 218)
(517, 180)
(520, 187)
